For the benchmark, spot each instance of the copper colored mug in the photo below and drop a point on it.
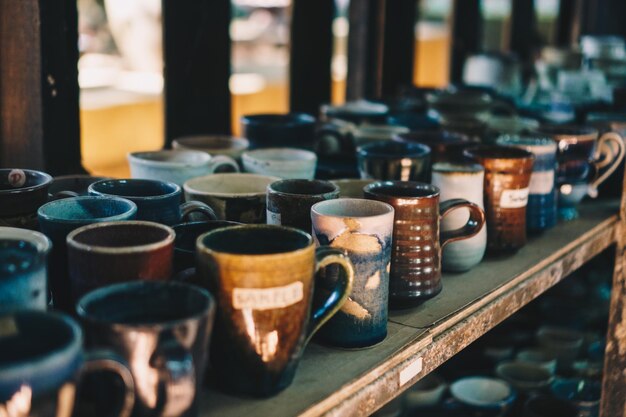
(507, 177)
(417, 243)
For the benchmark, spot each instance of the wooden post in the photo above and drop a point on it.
(365, 49)
(568, 22)
(523, 29)
(196, 50)
(311, 53)
(399, 45)
(467, 25)
(39, 93)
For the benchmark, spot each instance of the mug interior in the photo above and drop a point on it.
(402, 189)
(303, 187)
(145, 303)
(134, 188)
(497, 152)
(281, 154)
(351, 207)
(256, 240)
(121, 235)
(230, 184)
(86, 208)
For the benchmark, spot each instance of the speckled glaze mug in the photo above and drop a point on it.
(461, 180)
(416, 251)
(289, 202)
(263, 277)
(507, 180)
(362, 228)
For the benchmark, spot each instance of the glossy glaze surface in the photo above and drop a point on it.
(270, 130)
(394, 161)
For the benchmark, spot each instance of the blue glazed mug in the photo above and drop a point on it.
(22, 191)
(296, 130)
(394, 161)
(23, 269)
(58, 218)
(362, 228)
(156, 201)
(43, 361)
(541, 211)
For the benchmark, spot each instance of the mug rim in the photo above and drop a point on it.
(222, 223)
(457, 167)
(175, 188)
(388, 208)
(433, 190)
(131, 209)
(201, 247)
(334, 187)
(82, 305)
(42, 243)
(129, 249)
(47, 180)
(510, 152)
(200, 142)
(567, 131)
(289, 119)
(143, 158)
(188, 186)
(525, 140)
(411, 149)
(265, 155)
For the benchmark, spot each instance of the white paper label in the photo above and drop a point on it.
(273, 218)
(411, 371)
(514, 198)
(268, 298)
(541, 182)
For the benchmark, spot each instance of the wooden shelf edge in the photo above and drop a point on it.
(370, 391)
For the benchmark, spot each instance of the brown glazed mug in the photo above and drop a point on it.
(507, 177)
(263, 279)
(107, 253)
(417, 242)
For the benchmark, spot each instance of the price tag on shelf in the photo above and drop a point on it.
(411, 371)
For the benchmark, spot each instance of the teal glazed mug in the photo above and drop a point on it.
(264, 277)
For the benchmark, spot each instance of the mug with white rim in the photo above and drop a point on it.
(213, 144)
(234, 197)
(178, 166)
(285, 163)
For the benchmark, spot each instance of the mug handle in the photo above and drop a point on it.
(218, 162)
(609, 152)
(325, 256)
(190, 207)
(475, 222)
(177, 377)
(104, 360)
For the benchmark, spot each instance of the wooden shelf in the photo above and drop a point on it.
(333, 382)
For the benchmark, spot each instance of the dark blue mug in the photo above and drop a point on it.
(541, 211)
(23, 269)
(293, 130)
(394, 161)
(22, 191)
(58, 218)
(185, 243)
(156, 201)
(43, 360)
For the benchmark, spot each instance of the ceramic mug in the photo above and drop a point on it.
(263, 277)
(461, 181)
(394, 161)
(526, 377)
(71, 186)
(357, 112)
(156, 201)
(22, 192)
(23, 269)
(584, 158)
(289, 202)
(484, 396)
(416, 251)
(296, 130)
(507, 178)
(337, 137)
(106, 253)
(351, 187)
(185, 241)
(286, 163)
(178, 166)
(233, 197)
(444, 146)
(58, 218)
(362, 228)
(581, 393)
(541, 212)
(38, 375)
(162, 330)
(213, 144)
(541, 357)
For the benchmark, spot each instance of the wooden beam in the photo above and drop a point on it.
(311, 53)
(196, 50)
(523, 34)
(399, 45)
(39, 93)
(467, 24)
(568, 22)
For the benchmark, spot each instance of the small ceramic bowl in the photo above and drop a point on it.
(487, 396)
(540, 357)
(427, 392)
(525, 376)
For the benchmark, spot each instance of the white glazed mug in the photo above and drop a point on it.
(285, 163)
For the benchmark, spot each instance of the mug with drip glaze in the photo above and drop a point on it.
(363, 229)
(263, 277)
(507, 180)
(417, 242)
(585, 160)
